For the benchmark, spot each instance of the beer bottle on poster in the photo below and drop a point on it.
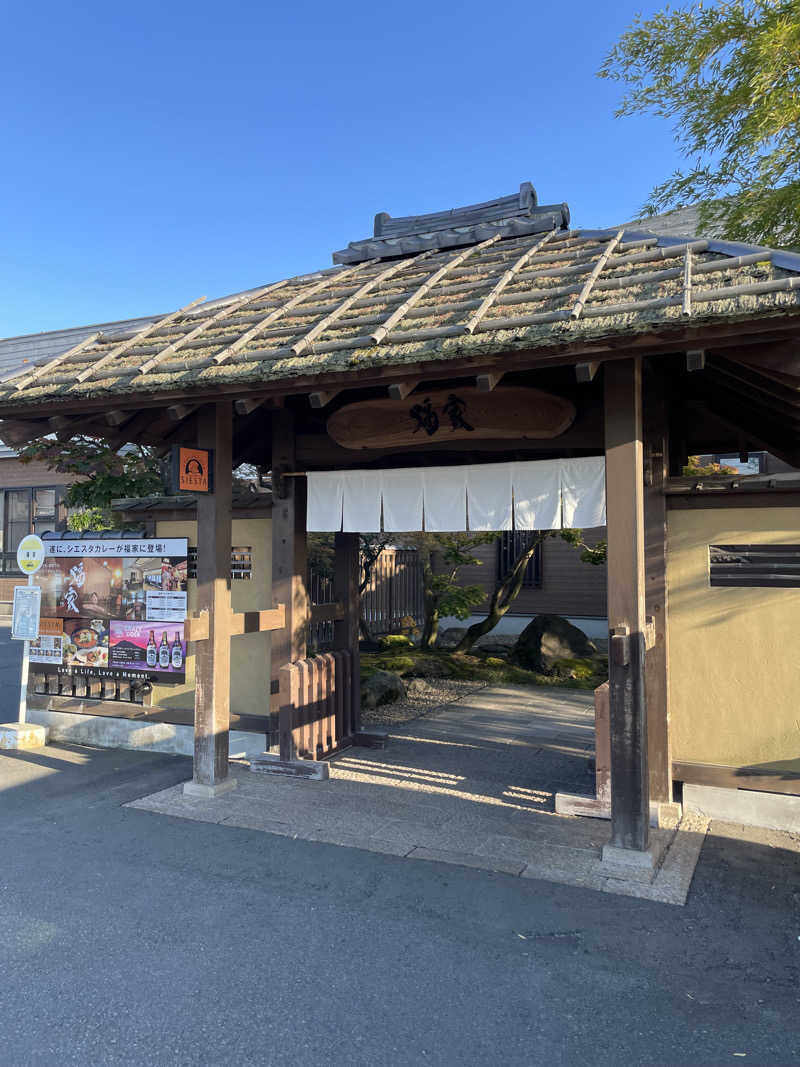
(152, 651)
(163, 652)
(177, 653)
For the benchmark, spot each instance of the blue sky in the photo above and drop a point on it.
(156, 152)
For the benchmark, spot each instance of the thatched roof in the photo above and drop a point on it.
(498, 294)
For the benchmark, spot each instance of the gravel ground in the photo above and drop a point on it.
(437, 692)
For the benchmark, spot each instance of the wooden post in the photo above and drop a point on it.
(346, 576)
(655, 565)
(289, 564)
(213, 656)
(630, 800)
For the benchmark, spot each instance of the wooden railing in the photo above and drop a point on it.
(318, 709)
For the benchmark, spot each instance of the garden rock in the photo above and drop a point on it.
(418, 689)
(450, 637)
(382, 687)
(496, 644)
(547, 639)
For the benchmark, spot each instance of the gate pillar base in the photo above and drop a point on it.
(208, 792)
(640, 865)
(269, 763)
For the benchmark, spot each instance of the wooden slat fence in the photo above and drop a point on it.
(320, 692)
(394, 593)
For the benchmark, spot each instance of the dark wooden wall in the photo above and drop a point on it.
(569, 587)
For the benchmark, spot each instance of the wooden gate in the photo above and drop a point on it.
(320, 697)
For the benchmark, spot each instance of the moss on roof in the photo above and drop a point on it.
(640, 287)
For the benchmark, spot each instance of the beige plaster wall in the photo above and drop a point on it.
(250, 653)
(734, 662)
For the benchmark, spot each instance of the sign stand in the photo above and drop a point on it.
(24, 627)
(23, 684)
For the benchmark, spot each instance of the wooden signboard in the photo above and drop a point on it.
(191, 470)
(442, 415)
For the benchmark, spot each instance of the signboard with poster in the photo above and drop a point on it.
(92, 589)
(48, 648)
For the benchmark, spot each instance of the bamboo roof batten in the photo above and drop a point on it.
(518, 264)
(181, 342)
(587, 288)
(37, 372)
(328, 320)
(123, 347)
(304, 294)
(687, 282)
(416, 296)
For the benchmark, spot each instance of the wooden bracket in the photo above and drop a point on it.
(116, 418)
(487, 382)
(179, 412)
(254, 622)
(321, 399)
(585, 372)
(197, 627)
(696, 359)
(244, 405)
(400, 390)
(650, 632)
(619, 646)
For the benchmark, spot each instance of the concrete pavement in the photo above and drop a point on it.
(137, 939)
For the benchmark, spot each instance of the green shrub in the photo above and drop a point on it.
(395, 664)
(580, 669)
(392, 641)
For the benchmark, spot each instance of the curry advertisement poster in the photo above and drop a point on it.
(98, 593)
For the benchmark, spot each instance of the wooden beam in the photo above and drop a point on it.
(327, 612)
(320, 399)
(288, 571)
(656, 440)
(487, 382)
(213, 667)
(400, 390)
(346, 575)
(585, 372)
(18, 432)
(254, 622)
(37, 372)
(196, 628)
(695, 359)
(630, 793)
(247, 405)
(304, 294)
(179, 412)
(117, 418)
(122, 348)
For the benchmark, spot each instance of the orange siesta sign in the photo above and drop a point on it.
(192, 469)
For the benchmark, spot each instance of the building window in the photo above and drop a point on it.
(509, 547)
(28, 511)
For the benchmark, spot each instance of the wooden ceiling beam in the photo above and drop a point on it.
(321, 398)
(179, 412)
(400, 390)
(486, 382)
(585, 372)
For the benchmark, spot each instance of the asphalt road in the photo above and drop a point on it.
(10, 665)
(132, 938)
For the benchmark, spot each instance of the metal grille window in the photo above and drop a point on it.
(770, 566)
(509, 547)
(241, 563)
